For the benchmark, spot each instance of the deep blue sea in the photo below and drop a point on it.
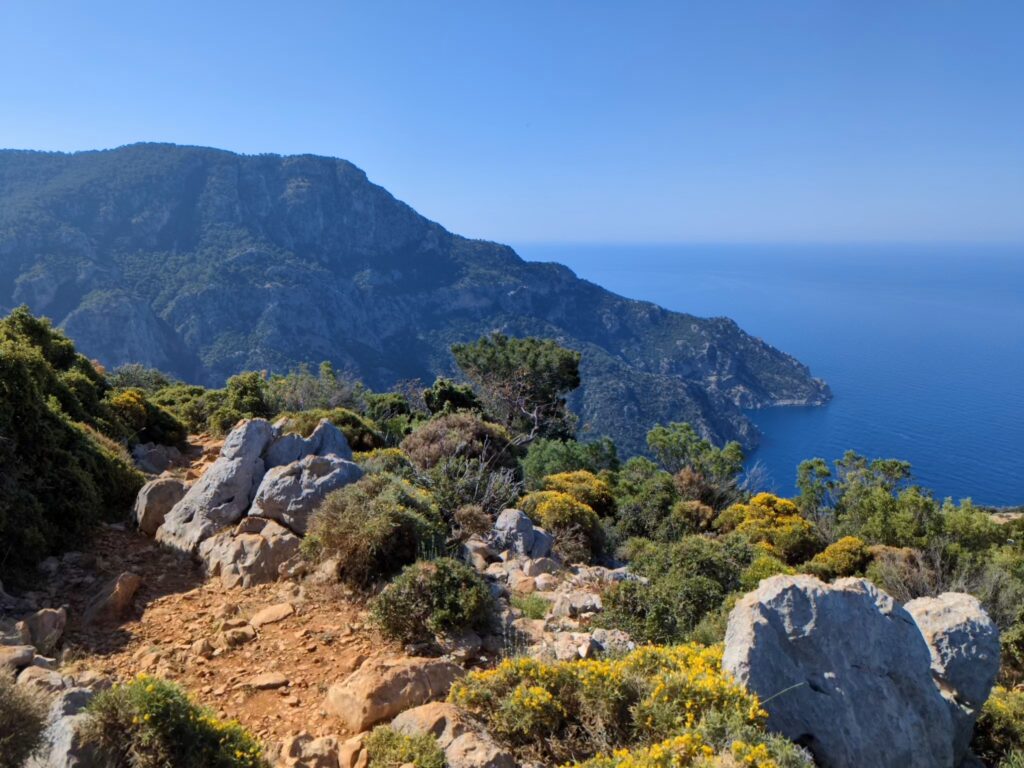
(923, 346)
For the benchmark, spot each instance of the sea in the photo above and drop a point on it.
(923, 347)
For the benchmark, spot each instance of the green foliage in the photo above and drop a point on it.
(392, 460)
(761, 567)
(147, 421)
(533, 606)
(361, 434)
(523, 382)
(574, 525)
(846, 557)
(645, 496)
(301, 390)
(549, 457)
(678, 447)
(386, 748)
(151, 723)
(446, 396)
(586, 487)
(138, 376)
(59, 475)
(460, 481)
(373, 528)
(431, 598)
(22, 721)
(1000, 729)
(464, 435)
(247, 394)
(194, 406)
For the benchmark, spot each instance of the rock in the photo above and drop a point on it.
(15, 657)
(965, 655)
(464, 746)
(539, 566)
(378, 691)
(251, 554)
(223, 494)
(464, 646)
(520, 584)
(613, 641)
(63, 746)
(569, 646)
(326, 440)
(46, 680)
(154, 458)
(268, 681)
(476, 552)
(155, 500)
(576, 603)
(843, 670)
(546, 582)
(114, 599)
(272, 614)
(304, 751)
(290, 493)
(351, 753)
(44, 629)
(202, 648)
(233, 638)
(513, 530)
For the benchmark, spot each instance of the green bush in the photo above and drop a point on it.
(761, 567)
(146, 421)
(775, 522)
(846, 557)
(459, 481)
(386, 748)
(645, 496)
(59, 476)
(445, 396)
(374, 527)
(1000, 728)
(150, 723)
(193, 405)
(575, 527)
(138, 376)
(549, 457)
(431, 598)
(464, 435)
(362, 434)
(585, 487)
(392, 460)
(532, 606)
(22, 722)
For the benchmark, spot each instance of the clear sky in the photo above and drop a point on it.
(565, 120)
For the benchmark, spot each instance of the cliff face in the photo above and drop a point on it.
(204, 263)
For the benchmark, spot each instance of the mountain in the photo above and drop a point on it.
(204, 263)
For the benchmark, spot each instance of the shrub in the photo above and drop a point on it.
(464, 435)
(902, 572)
(445, 396)
(146, 422)
(1000, 729)
(193, 405)
(150, 723)
(431, 598)
(471, 519)
(391, 460)
(549, 457)
(586, 487)
(386, 748)
(644, 496)
(374, 527)
(574, 525)
(458, 481)
(685, 519)
(361, 433)
(577, 709)
(247, 394)
(767, 518)
(138, 376)
(762, 567)
(846, 557)
(22, 722)
(533, 606)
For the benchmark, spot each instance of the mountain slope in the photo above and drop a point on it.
(204, 263)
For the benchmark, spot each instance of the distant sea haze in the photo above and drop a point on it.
(923, 347)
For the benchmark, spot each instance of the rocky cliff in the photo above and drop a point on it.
(204, 263)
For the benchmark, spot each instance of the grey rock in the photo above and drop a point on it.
(154, 458)
(514, 531)
(44, 629)
(965, 654)
(114, 598)
(155, 500)
(326, 440)
(64, 744)
(539, 565)
(223, 494)
(576, 603)
(252, 553)
(464, 745)
(843, 670)
(290, 493)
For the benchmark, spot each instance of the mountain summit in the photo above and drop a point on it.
(204, 263)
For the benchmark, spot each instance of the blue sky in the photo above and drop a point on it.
(774, 120)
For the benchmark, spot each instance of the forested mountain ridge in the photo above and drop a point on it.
(203, 263)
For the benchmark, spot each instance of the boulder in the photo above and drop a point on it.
(252, 553)
(45, 680)
(514, 531)
(155, 500)
(576, 603)
(44, 629)
(272, 614)
(289, 493)
(464, 746)
(305, 751)
(15, 657)
(114, 599)
(380, 690)
(223, 494)
(843, 670)
(64, 746)
(154, 458)
(965, 655)
(326, 440)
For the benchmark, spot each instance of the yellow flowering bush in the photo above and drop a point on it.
(585, 487)
(654, 694)
(846, 557)
(156, 723)
(575, 525)
(768, 519)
